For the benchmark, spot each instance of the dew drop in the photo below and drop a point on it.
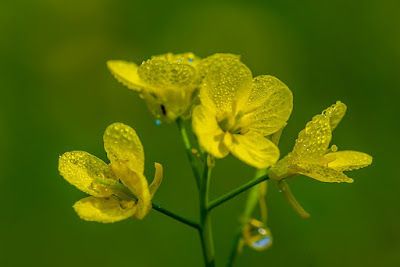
(157, 122)
(257, 236)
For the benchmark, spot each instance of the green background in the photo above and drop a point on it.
(57, 95)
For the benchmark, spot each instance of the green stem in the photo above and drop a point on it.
(291, 199)
(124, 192)
(222, 199)
(188, 150)
(234, 248)
(175, 216)
(251, 203)
(205, 230)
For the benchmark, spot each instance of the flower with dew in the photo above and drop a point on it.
(117, 190)
(238, 111)
(166, 82)
(311, 155)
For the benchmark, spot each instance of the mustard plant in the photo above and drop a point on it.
(230, 112)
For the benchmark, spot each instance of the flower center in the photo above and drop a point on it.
(231, 124)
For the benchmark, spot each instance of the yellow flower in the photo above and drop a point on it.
(111, 201)
(237, 111)
(167, 82)
(311, 155)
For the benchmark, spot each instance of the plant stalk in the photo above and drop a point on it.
(222, 199)
(205, 230)
(188, 150)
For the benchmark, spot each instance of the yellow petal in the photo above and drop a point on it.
(209, 134)
(123, 147)
(126, 73)
(171, 80)
(104, 210)
(161, 73)
(226, 85)
(335, 113)
(87, 172)
(137, 184)
(312, 142)
(206, 64)
(322, 173)
(254, 149)
(268, 107)
(158, 177)
(184, 58)
(348, 160)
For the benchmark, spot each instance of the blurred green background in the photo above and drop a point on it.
(57, 96)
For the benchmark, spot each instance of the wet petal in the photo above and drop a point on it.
(322, 173)
(209, 134)
(158, 177)
(126, 73)
(104, 210)
(254, 149)
(87, 172)
(226, 85)
(123, 147)
(172, 80)
(348, 160)
(268, 107)
(335, 113)
(162, 74)
(137, 184)
(312, 142)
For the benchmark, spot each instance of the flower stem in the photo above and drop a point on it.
(234, 248)
(251, 203)
(205, 230)
(222, 199)
(123, 191)
(188, 149)
(175, 216)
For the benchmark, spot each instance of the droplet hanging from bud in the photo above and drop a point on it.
(257, 236)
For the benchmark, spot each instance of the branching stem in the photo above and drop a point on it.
(222, 199)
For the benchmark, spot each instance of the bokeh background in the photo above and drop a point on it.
(57, 96)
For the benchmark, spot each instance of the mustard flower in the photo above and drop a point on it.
(311, 155)
(237, 111)
(111, 186)
(166, 82)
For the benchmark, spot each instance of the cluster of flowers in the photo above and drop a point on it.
(231, 112)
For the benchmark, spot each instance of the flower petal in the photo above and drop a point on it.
(123, 147)
(312, 142)
(137, 184)
(335, 113)
(227, 84)
(268, 107)
(161, 73)
(348, 160)
(322, 173)
(254, 149)
(172, 79)
(209, 134)
(126, 73)
(104, 210)
(158, 177)
(87, 172)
